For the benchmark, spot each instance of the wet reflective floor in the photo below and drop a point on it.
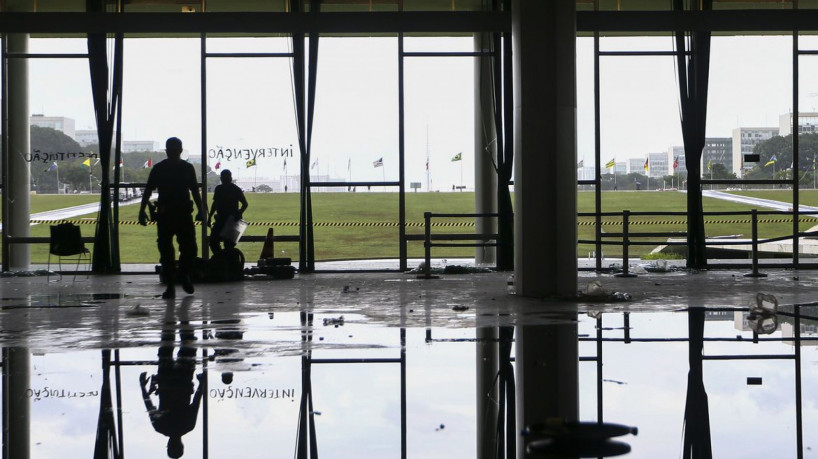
(388, 365)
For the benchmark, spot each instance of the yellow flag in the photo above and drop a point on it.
(87, 162)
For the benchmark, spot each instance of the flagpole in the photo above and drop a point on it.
(58, 179)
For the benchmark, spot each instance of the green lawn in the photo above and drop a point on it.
(364, 225)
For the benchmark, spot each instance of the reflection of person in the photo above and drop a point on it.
(175, 180)
(226, 200)
(173, 385)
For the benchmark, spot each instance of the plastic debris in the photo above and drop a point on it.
(594, 292)
(334, 321)
(763, 317)
(138, 310)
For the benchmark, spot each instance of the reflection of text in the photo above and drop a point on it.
(249, 153)
(47, 157)
(251, 392)
(42, 394)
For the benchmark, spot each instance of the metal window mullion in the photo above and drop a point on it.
(247, 55)
(598, 157)
(203, 102)
(795, 150)
(4, 160)
(46, 56)
(401, 153)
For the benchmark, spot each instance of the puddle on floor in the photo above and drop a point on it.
(265, 385)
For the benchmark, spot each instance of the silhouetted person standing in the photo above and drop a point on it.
(173, 384)
(226, 200)
(175, 180)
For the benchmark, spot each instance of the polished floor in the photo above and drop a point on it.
(386, 364)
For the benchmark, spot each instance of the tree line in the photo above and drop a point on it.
(76, 177)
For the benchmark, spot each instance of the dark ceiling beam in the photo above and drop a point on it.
(258, 22)
(760, 20)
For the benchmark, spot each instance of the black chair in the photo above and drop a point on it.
(66, 241)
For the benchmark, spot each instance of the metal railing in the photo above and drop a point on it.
(627, 235)
(488, 240)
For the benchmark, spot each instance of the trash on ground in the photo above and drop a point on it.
(334, 321)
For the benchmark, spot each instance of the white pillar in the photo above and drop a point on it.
(17, 380)
(485, 148)
(547, 358)
(545, 225)
(487, 364)
(17, 189)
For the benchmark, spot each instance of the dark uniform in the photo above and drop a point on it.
(173, 179)
(226, 199)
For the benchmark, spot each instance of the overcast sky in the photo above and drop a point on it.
(250, 101)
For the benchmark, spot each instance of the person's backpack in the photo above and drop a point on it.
(226, 265)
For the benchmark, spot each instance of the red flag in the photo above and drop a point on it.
(148, 163)
(675, 163)
(218, 165)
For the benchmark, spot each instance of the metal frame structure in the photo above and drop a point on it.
(299, 23)
(315, 22)
(694, 21)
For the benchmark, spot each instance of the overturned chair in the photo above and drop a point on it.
(66, 241)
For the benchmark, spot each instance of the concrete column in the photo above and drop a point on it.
(485, 148)
(547, 358)
(545, 231)
(16, 191)
(17, 407)
(487, 366)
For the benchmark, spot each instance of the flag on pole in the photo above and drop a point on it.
(710, 165)
(314, 163)
(427, 164)
(51, 167)
(147, 164)
(611, 163)
(377, 163)
(458, 156)
(771, 161)
(251, 162)
(675, 163)
(349, 164)
(87, 162)
(218, 165)
(581, 164)
(285, 164)
(646, 165)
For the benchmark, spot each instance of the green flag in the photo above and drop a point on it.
(457, 157)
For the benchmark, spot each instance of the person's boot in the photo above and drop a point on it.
(169, 293)
(187, 285)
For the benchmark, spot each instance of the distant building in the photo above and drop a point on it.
(807, 123)
(744, 141)
(621, 168)
(59, 123)
(677, 154)
(86, 137)
(636, 166)
(717, 150)
(659, 165)
(129, 146)
(586, 173)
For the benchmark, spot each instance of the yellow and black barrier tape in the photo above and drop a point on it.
(93, 221)
(684, 222)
